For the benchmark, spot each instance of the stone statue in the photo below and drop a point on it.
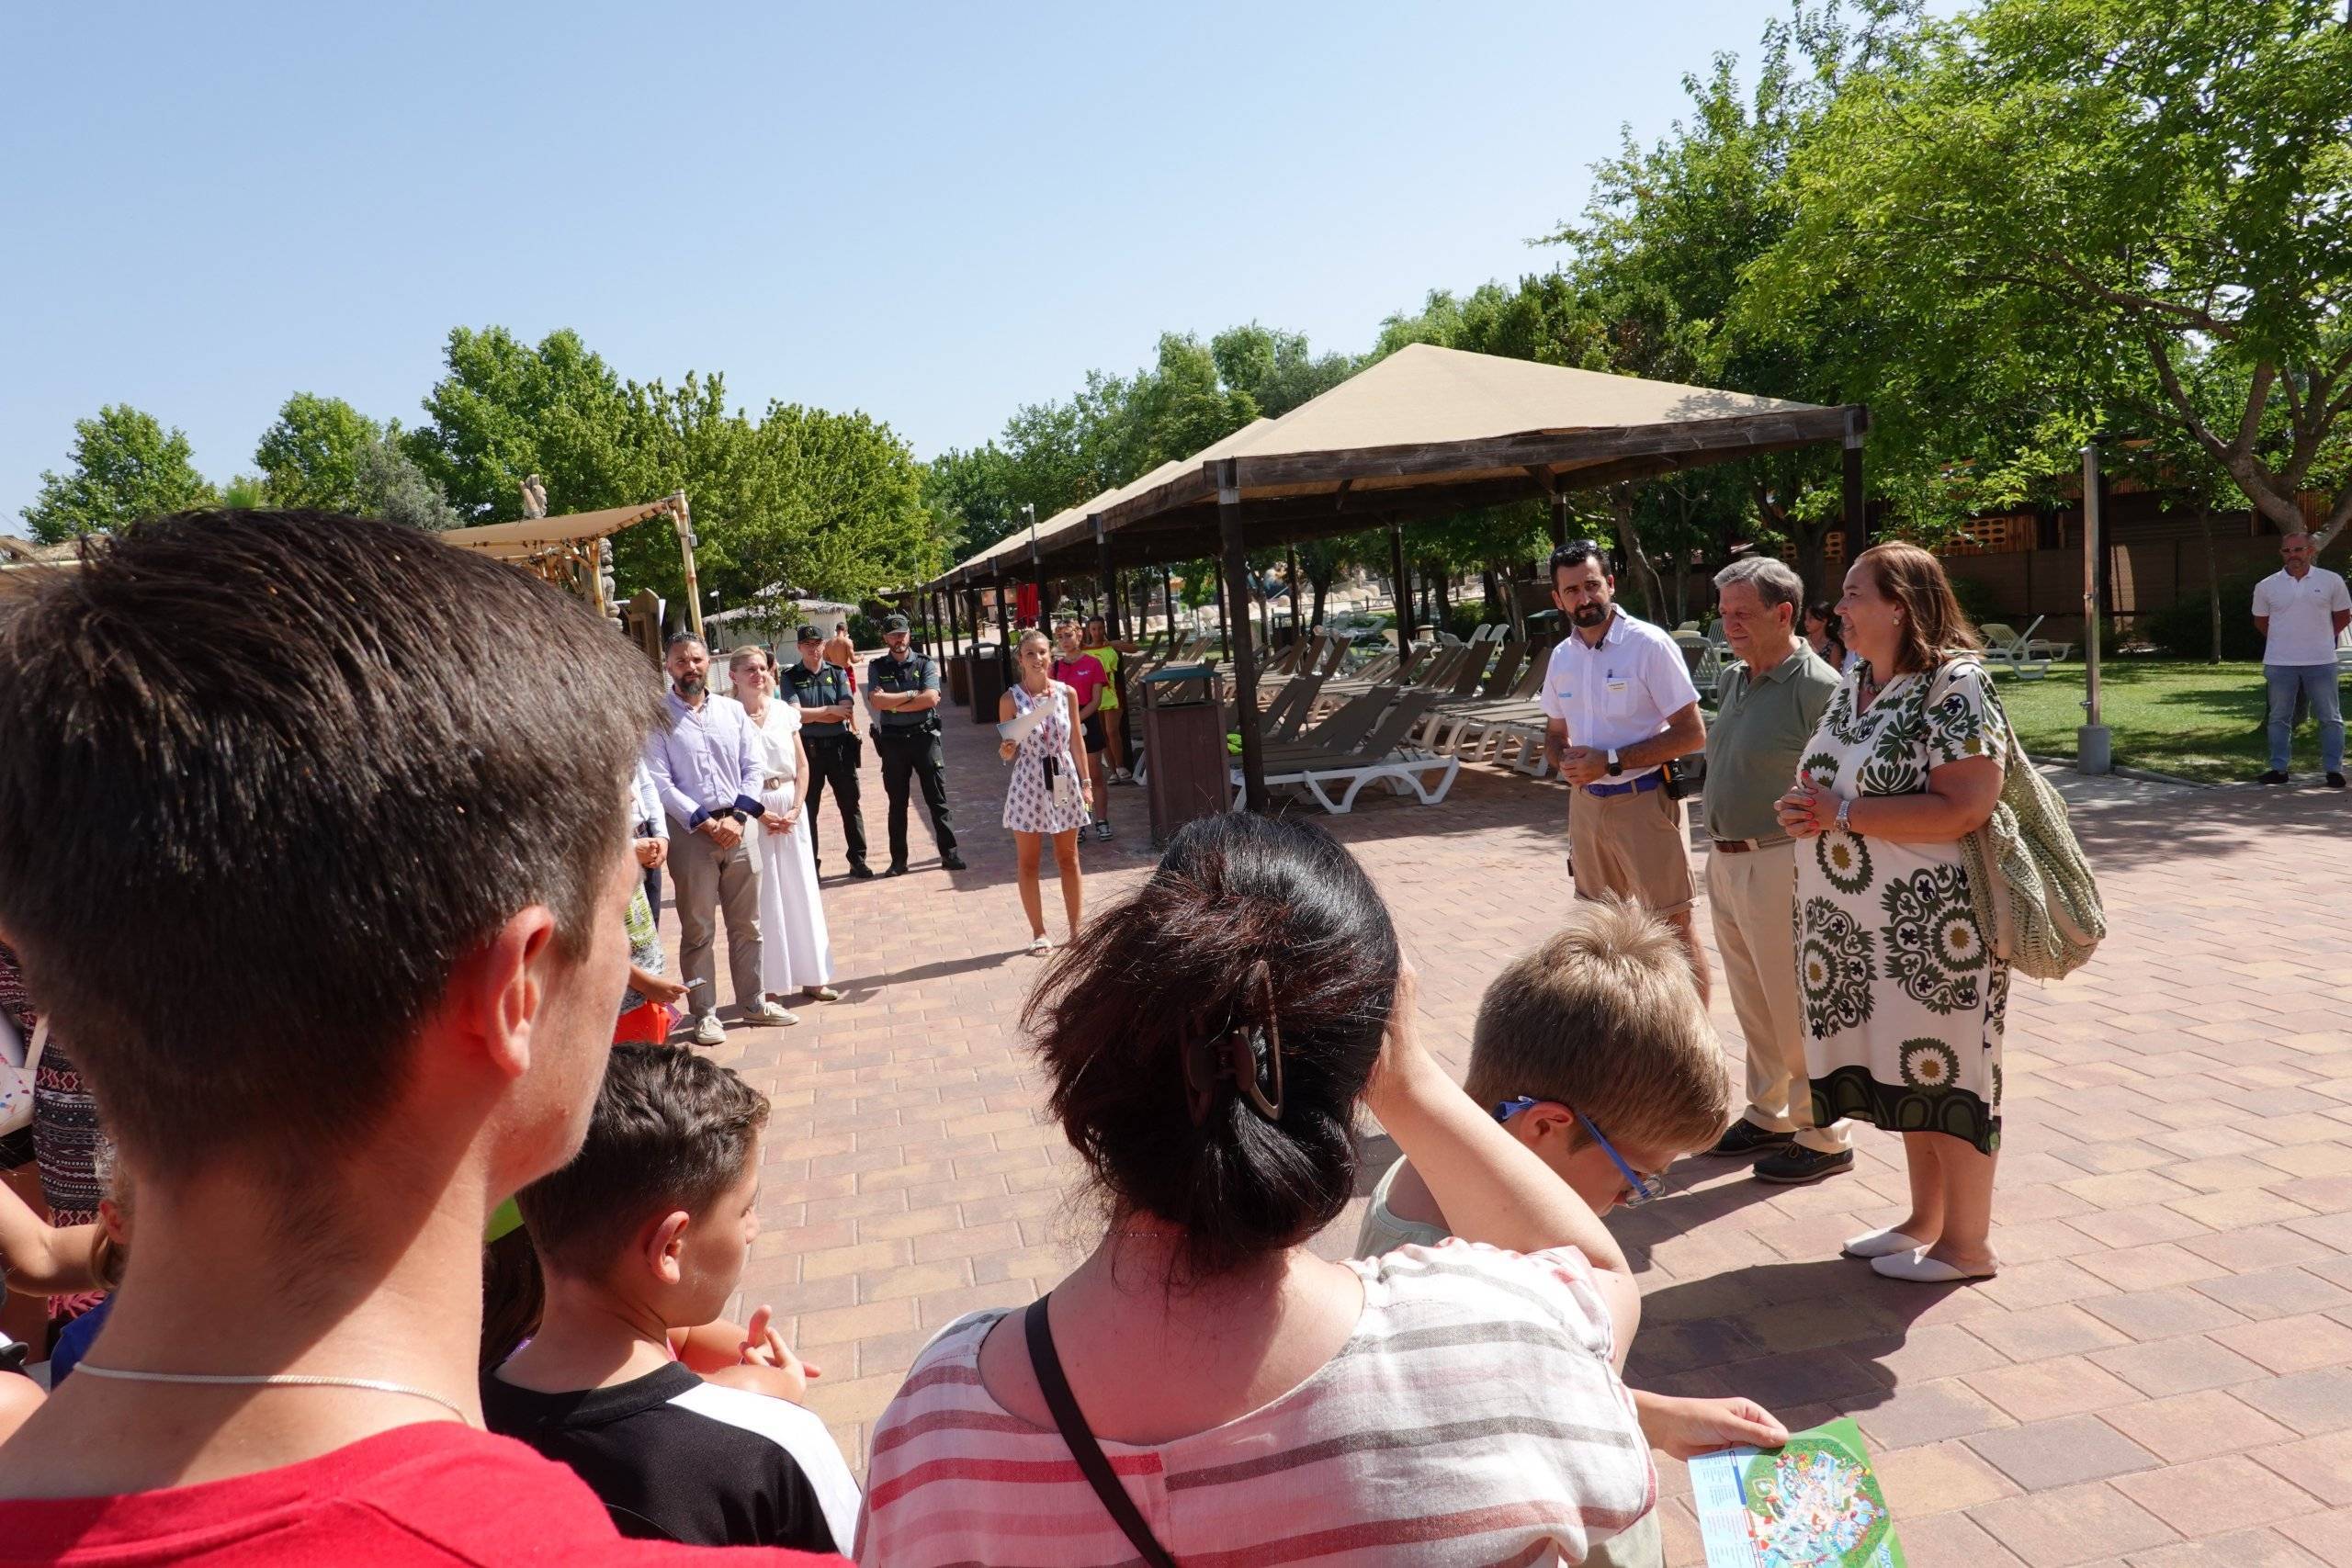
(534, 498)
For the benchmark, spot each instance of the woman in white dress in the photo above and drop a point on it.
(1046, 796)
(795, 953)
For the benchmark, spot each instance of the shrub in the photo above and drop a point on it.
(2184, 629)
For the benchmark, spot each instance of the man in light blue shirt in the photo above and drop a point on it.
(705, 769)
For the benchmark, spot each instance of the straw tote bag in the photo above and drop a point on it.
(2036, 899)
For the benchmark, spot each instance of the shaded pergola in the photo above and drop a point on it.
(1426, 433)
(561, 550)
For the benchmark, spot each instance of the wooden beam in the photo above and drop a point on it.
(1858, 525)
(1245, 663)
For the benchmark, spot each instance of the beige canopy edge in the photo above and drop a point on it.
(551, 547)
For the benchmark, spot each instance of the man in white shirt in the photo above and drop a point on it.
(2300, 612)
(1619, 704)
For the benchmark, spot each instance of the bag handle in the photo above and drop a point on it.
(1047, 1365)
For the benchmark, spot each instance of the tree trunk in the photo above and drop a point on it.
(2212, 575)
(1440, 581)
(1629, 533)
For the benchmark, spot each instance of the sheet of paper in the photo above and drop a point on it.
(1814, 1502)
(1020, 724)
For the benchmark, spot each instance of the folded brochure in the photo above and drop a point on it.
(1813, 1503)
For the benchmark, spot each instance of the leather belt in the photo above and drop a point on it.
(1646, 782)
(1734, 846)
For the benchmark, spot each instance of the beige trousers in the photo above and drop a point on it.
(1752, 898)
(711, 880)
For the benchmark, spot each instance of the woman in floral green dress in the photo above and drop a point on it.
(1904, 1001)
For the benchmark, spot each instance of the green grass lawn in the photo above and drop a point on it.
(2197, 721)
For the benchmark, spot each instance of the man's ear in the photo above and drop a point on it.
(665, 1246)
(499, 992)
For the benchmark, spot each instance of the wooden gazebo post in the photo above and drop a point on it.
(1110, 577)
(1245, 663)
(1404, 588)
(1857, 523)
(682, 518)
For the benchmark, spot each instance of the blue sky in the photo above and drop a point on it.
(933, 214)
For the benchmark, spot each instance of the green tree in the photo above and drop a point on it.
(312, 455)
(125, 466)
(505, 410)
(2104, 212)
(390, 486)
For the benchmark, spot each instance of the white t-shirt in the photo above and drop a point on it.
(2301, 629)
(1621, 692)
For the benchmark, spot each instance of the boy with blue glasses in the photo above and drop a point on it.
(1595, 1052)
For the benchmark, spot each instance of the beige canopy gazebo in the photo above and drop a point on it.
(1426, 432)
(559, 550)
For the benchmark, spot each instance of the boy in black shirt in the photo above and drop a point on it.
(646, 1230)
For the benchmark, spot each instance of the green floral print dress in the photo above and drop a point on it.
(1903, 1002)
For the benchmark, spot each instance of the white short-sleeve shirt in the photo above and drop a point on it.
(1620, 693)
(2299, 608)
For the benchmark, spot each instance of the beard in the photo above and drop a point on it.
(689, 686)
(1589, 613)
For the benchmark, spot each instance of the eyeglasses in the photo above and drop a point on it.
(1639, 1188)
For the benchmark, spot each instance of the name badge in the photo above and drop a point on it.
(1617, 688)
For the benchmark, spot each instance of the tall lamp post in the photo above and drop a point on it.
(2094, 742)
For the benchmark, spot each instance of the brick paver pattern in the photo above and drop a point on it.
(2158, 1376)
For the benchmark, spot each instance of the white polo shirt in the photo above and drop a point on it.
(2300, 630)
(1620, 693)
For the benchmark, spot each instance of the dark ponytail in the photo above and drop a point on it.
(1209, 1036)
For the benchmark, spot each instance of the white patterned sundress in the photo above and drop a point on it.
(1904, 1005)
(1029, 804)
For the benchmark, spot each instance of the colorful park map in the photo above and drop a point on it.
(1813, 1503)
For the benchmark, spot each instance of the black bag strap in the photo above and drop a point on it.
(1047, 1365)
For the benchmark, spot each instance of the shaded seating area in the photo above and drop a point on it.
(1423, 434)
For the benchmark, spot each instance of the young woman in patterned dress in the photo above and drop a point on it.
(1904, 1001)
(1038, 803)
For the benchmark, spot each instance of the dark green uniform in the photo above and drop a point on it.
(910, 748)
(834, 754)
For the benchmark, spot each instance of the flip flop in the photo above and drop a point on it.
(1922, 1270)
(1880, 1243)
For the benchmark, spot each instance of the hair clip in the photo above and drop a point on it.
(1249, 1058)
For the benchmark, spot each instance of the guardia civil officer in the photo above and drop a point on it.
(822, 691)
(902, 688)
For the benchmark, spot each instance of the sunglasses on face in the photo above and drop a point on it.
(1639, 1188)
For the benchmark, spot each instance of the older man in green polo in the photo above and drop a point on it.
(1769, 703)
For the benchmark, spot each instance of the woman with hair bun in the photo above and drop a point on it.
(1224, 1391)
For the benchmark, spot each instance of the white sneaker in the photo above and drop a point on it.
(767, 1013)
(708, 1031)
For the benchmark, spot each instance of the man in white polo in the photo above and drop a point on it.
(1769, 703)
(2301, 611)
(1620, 705)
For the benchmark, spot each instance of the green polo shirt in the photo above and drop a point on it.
(1759, 737)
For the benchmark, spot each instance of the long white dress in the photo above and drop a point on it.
(795, 952)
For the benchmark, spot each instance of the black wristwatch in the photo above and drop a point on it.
(1616, 766)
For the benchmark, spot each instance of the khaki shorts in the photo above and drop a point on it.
(1632, 845)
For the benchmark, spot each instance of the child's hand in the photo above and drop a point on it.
(1688, 1427)
(654, 989)
(763, 1346)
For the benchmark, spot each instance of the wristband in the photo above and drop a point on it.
(1844, 808)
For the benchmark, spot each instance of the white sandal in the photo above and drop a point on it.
(1040, 943)
(1881, 1244)
(1922, 1270)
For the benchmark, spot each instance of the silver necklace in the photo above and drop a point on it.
(273, 1380)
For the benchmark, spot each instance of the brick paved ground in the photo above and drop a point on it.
(2158, 1377)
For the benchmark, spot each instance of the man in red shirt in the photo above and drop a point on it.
(318, 854)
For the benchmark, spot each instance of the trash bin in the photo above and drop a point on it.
(959, 678)
(987, 680)
(1186, 772)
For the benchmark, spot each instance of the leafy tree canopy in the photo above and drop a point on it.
(125, 466)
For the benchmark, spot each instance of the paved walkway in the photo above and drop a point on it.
(2157, 1377)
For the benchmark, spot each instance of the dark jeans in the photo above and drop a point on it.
(833, 759)
(906, 757)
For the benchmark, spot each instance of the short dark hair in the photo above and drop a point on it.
(1574, 554)
(283, 761)
(678, 637)
(671, 1131)
(1236, 901)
